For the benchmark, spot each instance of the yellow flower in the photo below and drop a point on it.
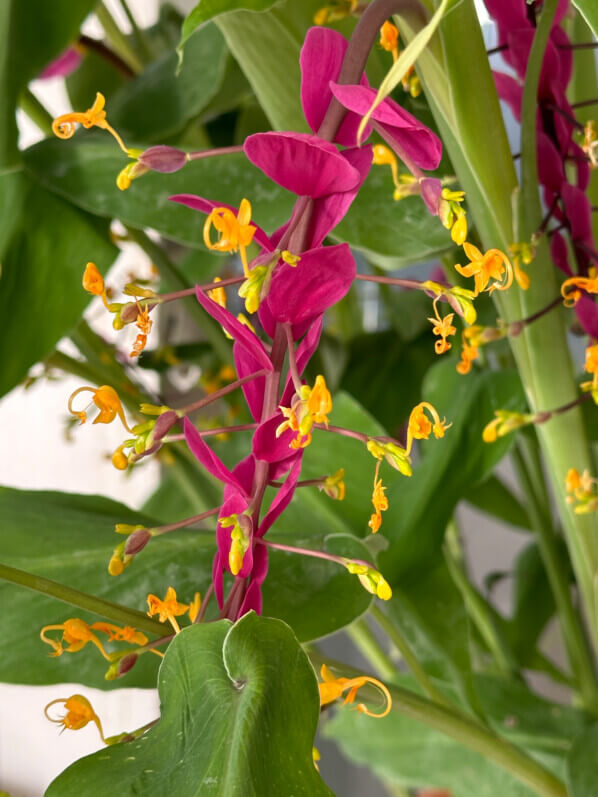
(106, 400)
(522, 252)
(370, 579)
(76, 634)
(308, 406)
(167, 609)
(218, 295)
(334, 486)
(332, 688)
(240, 539)
(64, 126)
(503, 423)
(379, 502)
(571, 288)
(118, 634)
(235, 233)
(443, 327)
(194, 607)
(338, 9)
(389, 39)
(79, 712)
(420, 426)
(492, 265)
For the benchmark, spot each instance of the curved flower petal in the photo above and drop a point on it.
(62, 66)
(399, 126)
(268, 447)
(208, 458)
(253, 596)
(207, 206)
(247, 364)
(282, 499)
(321, 60)
(304, 164)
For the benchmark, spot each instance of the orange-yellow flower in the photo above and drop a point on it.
(64, 126)
(389, 39)
(79, 712)
(379, 502)
(76, 634)
(492, 265)
(168, 608)
(443, 327)
(235, 233)
(308, 406)
(106, 400)
(334, 485)
(370, 579)
(420, 426)
(332, 688)
(572, 288)
(93, 282)
(124, 634)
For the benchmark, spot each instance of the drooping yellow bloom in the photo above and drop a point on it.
(235, 233)
(76, 634)
(389, 39)
(522, 252)
(79, 712)
(405, 184)
(64, 126)
(590, 143)
(106, 400)
(334, 485)
(240, 537)
(118, 634)
(255, 288)
(194, 607)
(492, 265)
(469, 353)
(370, 579)
(167, 609)
(420, 426)
(582, 488)
(443, 327)
(379, 502)
(337, 9)
(452, 215)
(308, 406)
(572, 288)
(505, 422)
(218, 295)
(93, 282)
(396, 456)
(332, 688)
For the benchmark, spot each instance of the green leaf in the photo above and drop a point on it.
(494, 497)
(589, 11)
(581, 764)
(205, 10)
(41, 297)
(159, 102)
(69, 538)
(34, 32)
(84, 170)
(232, 721)
(420, 506)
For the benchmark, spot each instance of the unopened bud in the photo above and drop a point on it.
(121, 667)
(163, 159)
(137, 542)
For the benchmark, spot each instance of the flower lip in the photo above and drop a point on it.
(303, 164)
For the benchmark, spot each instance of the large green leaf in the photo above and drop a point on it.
(589, 10)
(232, 721)
(494, 497)
(159, 102)
(33, 32)
(41, 297)
(581, 764)
(69, 539)
(421, 506)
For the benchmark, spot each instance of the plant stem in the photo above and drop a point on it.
(532, 480)
(452, 722)
(107, 54)
(142, 40)
(107, 609)
(365, 641)
(117, 39)
(408, 655)
(34, 109)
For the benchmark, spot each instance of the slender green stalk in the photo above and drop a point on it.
(175, 279)
(408, 655)
(465, 730)
(363, 638)
(478, 612)
(571, 626)
(34, 109)
(107, 609)
(117, 39)
(141, 38)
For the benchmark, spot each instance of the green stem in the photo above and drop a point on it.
(141, 38)
(34, 109)
(408, 655)
(571, 627)
(466, 731)
(363, 638)
(479, 614)
(175, 279)
(107, 609)
(119, 42)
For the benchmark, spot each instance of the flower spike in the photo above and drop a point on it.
(79, 712)
(332, 688)
(64, 126)
(106, 400)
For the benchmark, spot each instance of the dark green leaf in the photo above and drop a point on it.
(581, 764)
(232, 721)
(33, 32)
(589, 11)
(494, 497)
(421, 506)
(41, 297)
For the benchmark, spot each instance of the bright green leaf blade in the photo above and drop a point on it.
(233, 722)
(33, 32)
(69, 538)
(420, 506)
(581, 764)
(180, 97)
(589, 11)
(206, 10)
(493, 497)
(41, 275)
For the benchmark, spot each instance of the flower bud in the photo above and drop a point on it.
(137, 542)
(163, 159)
(121, 667)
